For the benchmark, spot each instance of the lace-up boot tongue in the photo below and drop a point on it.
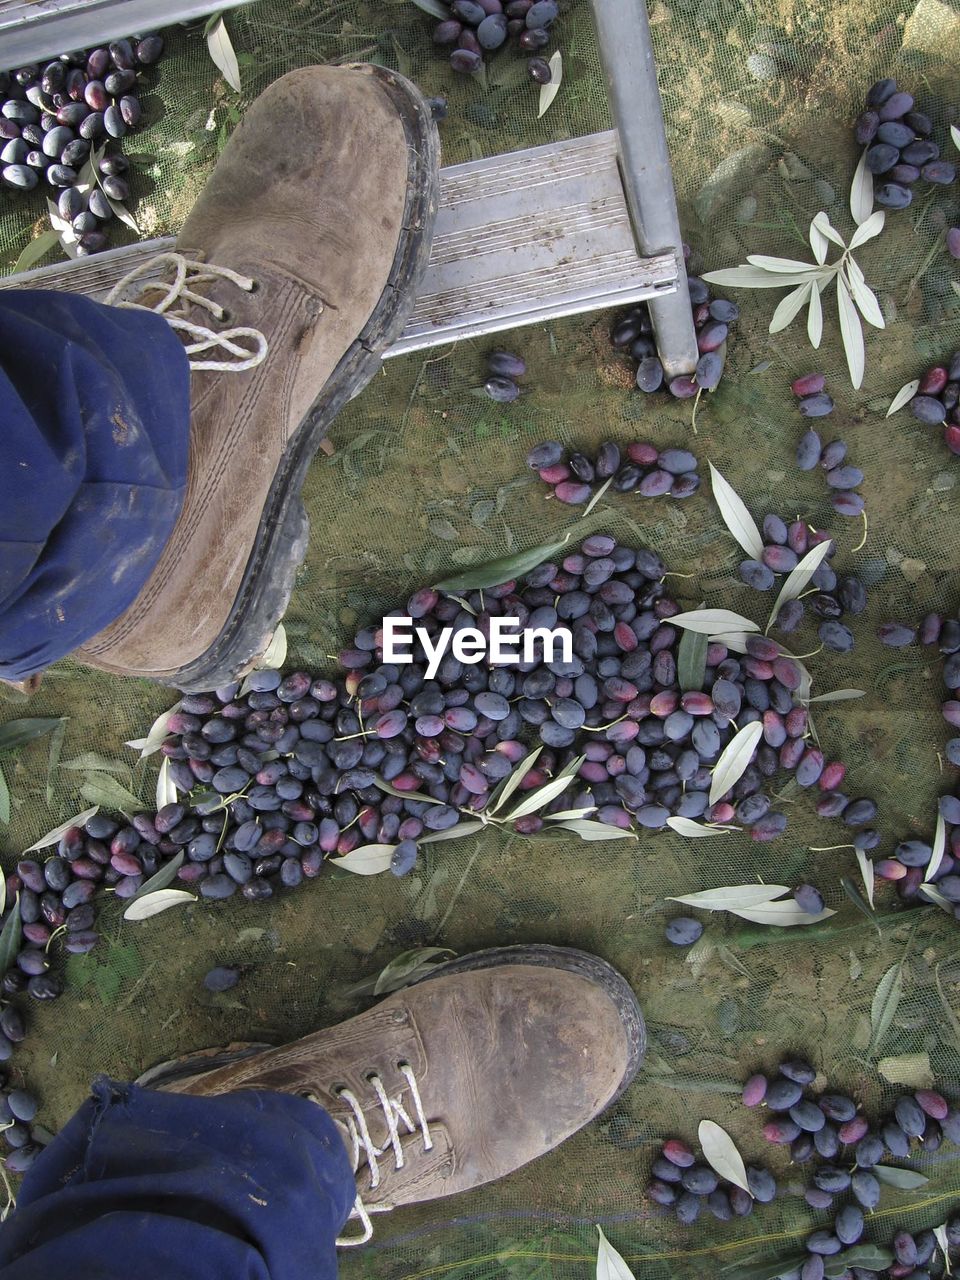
(324, 197)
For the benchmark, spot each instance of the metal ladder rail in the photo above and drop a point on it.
(31, 30)
(626, 51)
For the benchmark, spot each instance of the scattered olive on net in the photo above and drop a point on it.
(899, 146)
(474, 28)
(647, 471)
(683, 931)
(503, 370)
(633, 333)
(83, 98)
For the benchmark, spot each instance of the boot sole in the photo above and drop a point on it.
(283, 533)
(590, 967)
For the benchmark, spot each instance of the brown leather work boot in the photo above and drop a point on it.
(298, 265)
(489, 1062)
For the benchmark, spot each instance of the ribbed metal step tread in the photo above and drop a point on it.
(34, 29)
(518, 239)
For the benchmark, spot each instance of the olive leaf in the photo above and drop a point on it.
(550, 90)
(819, 240)
(221, 50)
(721, 1154)
(783, 914)
(53, 758)
(692, 659)
(851, 331)
(955, 135)
(838, 695)
(589, 830)
(17, 733)
(609, 481)
(505, 790)
(610, 1265)
(800, 578)
(770, 1269)
(433, 7)
(933, 894)
(156, 734)
(860, 902)
(863, 295)
(783, 266)
(52, 837)
(367, 860)
(732, 897)
(38, 248)
(571, 815)
(275, 654)
(391, 790)
(697, 830)
(886, 1001)
(861, 192)
(101, 789)
(4, 800)
(714, 623)
(10, 936)
(405, 967)
(143, 908)
(543, 795)
(903, 396)
(452, 833)
(902, 1179)
(938, 850)
(736, 517)
(868, 1257)
(867, 872)
(164, 877)
(166, 787)
(911, 1069)
(815, 317)
(91, 762)
(788, 308)
(494, 572)
(943, 1241)
(734, 759)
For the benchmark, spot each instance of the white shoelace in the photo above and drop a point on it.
(181, 292)
(355, 1124)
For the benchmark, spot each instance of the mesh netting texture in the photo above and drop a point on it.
(428, 476)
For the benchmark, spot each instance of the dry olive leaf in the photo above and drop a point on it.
(156, 734)
(815, 318)
(734, 759)
(800, 578)
(162, 878)
(222, 52)
(452, 833)
(405, 966)
(838, 695)
(903, 396)
(166, 787)
(938, 850)
(722, 1155)
(912, 1069)
(863, 295)
(610, 1265)
(868, 874)
(4, 800)
(713, 622)
(886, 1001)
(696, 830)
(52, 837)
(733, 897)
(275, 654)
(543, 795)
(510, 783)
(17, 733)
(851, 331)
(736, 516)
(102, 789)
(861, 192)
(154, 903)
(784, 914)
(550, 90)
(588, 830)
(368, 860)
(788, 308)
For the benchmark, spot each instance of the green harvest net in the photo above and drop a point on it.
(428, 477)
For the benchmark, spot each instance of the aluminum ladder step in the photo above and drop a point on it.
(31, 30)
(519, 238)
